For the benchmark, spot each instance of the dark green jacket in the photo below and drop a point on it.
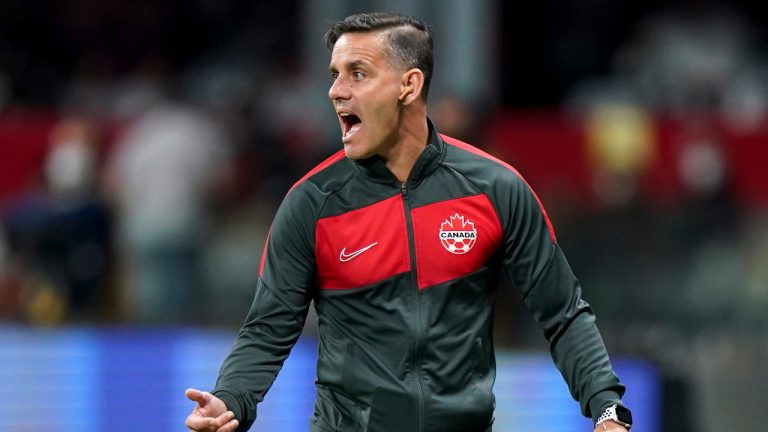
(403, 278)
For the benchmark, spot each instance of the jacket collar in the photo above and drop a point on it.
(375, 169)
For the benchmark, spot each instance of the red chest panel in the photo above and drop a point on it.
(454, 238)
(363, 246)
(451, 239)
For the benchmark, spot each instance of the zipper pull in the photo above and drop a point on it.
(404, 190)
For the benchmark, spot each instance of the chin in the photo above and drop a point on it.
(354, 152)
(350, 152)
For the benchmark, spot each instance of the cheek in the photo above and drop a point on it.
(384, 109)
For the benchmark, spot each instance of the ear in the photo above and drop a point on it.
(411, 84)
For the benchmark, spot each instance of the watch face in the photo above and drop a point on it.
(624, 415)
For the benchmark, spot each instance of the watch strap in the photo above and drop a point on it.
(611, 413)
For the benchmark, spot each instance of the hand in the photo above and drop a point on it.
(610, 426)
(210, 413)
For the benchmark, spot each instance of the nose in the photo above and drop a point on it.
(338, 90)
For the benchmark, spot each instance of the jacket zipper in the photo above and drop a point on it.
(416, 358)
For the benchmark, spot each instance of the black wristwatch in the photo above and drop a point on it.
(616, 413)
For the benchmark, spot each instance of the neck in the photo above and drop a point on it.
(412, 140)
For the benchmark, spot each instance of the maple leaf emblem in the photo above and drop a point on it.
(457, 223)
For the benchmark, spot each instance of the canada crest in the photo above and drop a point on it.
(457, 234)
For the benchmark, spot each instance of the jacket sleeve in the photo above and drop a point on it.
(535, 264)
(277, 314)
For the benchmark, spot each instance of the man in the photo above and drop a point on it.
(400, 245)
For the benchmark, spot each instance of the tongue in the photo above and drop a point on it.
(353, 129)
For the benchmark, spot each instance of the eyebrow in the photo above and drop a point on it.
(351, 65)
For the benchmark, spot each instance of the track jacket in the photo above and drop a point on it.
(403, 278)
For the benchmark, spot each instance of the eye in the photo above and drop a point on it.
(357, 75)
(334, 75)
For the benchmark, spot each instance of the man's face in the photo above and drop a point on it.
(365, 93)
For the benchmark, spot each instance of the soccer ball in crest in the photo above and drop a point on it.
(457, 234)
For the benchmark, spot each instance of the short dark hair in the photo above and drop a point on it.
(410, 40)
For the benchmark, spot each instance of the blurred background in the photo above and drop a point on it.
(145, 145)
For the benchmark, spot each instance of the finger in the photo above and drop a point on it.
(200, 423)
(223, 419)
(196, 395)
(229, 427)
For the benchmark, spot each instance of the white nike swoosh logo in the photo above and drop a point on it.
(344, 256)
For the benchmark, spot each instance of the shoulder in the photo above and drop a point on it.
(328, 176)
(306, 199)
(506, 185)
(322, 174)
(479, 165)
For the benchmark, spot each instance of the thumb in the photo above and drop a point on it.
(197, 396)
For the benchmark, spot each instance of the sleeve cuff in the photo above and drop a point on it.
(231, 402)
(602, 400)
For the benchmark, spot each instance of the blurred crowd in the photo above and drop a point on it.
(152, 167)
(146, 187)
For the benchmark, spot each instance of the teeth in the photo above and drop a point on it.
(344, 114)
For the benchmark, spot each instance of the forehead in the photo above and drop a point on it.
(359, 47)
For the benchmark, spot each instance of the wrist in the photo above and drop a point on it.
(610, 426)
(600, 401)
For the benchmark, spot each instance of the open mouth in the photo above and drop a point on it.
(350, 124)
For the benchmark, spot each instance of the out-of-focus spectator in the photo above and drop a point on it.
(165, 173)
(59, 233)
(620, 145)
(702, 164)
(70, 167)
